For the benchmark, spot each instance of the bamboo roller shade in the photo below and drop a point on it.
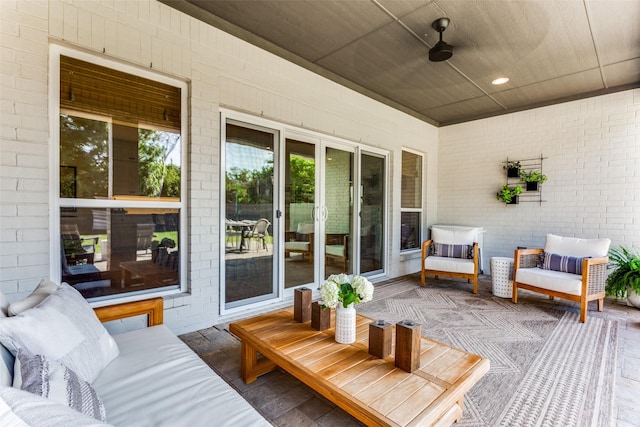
(124, 97)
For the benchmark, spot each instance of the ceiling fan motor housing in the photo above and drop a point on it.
(440, 52)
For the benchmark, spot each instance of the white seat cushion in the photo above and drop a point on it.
(297, 246)
(452, 265)
(158, 381)
(550, 279)
(336, 250)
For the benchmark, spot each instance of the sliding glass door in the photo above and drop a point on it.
(296, 209)
(300, 253)
(249, 263)
(372, 209)
(338, 210)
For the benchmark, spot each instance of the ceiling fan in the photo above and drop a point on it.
(441, 51)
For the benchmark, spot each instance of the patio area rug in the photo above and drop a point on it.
(547, 368)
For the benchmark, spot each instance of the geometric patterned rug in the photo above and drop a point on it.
(547, 368)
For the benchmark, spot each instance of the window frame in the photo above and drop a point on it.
(56, 202)
(419, 210)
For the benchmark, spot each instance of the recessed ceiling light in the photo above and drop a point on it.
(500, 81)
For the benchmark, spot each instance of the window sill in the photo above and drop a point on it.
(409, 255)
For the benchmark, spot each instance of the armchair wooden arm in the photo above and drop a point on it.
(425, 249)
(153, 308)
(594, 275)
(526, 258)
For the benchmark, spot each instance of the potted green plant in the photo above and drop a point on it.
(624, 281)
(513, 169)
(532, 178)
(509, 195)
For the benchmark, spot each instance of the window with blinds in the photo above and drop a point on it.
(121, 185)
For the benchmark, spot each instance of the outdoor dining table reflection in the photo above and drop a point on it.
(241, 229)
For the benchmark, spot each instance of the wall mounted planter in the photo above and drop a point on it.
(526, 176)
(513, 172)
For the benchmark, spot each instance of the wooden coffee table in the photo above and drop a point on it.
(372, 390)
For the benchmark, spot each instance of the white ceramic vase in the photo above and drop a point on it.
(345, 324)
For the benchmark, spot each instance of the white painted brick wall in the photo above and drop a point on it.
(222, 71)
(593, 164)
(592, 145)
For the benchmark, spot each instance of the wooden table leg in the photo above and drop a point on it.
(251, 366)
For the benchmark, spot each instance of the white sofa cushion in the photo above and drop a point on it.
(19, 408)
(158, 381)
(335, 250)
(550, 279)
(47, 378)
(62, 327)
(452, 265)
(45, 288)
(576, 247)
(453, 237)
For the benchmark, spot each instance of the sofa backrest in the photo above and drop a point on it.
(575, 247)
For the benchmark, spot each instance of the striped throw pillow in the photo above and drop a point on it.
(563, 263)
(452, 251)
(51, 379)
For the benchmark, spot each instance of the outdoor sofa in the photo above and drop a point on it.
(145, 377)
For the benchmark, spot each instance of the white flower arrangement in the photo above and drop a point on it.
(340, 289)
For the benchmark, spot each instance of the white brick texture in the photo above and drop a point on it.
(592, 159)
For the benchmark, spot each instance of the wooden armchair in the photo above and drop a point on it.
(567, 267)
(451, 266)
(336, 248)
(300, 241)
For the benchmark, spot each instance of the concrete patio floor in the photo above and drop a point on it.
(285, 401)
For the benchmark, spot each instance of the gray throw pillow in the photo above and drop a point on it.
(19, 408)
(39, 375)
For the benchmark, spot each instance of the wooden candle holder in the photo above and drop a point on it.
(408, 345)
(380, 333)
(302, 305)
(320, 318)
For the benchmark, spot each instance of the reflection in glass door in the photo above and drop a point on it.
(249, 224)
(338, 211)
(371, 213)
(299, 218)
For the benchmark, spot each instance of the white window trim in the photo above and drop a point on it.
(55, 202)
